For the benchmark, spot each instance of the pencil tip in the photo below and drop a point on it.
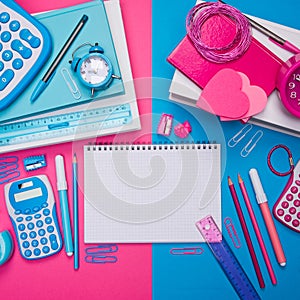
(240, 178)
(229, 180)
(74, 158)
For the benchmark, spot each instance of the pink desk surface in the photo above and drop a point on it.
(55, 277)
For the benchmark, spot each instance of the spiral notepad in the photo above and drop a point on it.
(150, 193)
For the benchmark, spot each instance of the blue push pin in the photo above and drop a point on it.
(6, 246)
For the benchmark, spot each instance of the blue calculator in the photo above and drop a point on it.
(31, 206)
(25, 45)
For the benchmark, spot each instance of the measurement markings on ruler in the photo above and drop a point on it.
(226, 258)
(66, 124)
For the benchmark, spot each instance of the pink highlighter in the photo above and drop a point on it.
(263, 204)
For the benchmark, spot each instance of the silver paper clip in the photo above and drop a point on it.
(70, 83)
(239, 136)
(252, 143)
(187, 251)
(232, 232)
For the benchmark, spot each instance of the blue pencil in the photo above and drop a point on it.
(75, 208)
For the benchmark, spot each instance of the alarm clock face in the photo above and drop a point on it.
(288, 84)
(95, 70)
(293, 90)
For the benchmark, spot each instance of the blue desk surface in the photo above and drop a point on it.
(200, 276)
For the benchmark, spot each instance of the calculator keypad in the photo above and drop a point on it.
(38, 234)
(287, 207)
(21, 44)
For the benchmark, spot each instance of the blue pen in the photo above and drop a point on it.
(64, 206)
(51, 71)
(75, 216)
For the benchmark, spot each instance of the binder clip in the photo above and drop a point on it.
(165, 124)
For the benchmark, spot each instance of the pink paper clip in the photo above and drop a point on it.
(232, 232)
(165, 124)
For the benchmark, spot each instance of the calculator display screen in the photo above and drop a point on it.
(23, 196)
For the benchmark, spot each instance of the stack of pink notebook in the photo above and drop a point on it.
(258, 63)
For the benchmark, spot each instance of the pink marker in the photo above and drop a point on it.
(263, 204)
(257, 231)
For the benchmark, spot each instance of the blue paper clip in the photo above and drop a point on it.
(9, 160)
(8, 168)
(102, 248)
(98, 254)
(100, 259)
(9, 175)
(187, 251)
(70, 83)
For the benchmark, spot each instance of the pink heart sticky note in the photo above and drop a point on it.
(223, 95)
(257, 97)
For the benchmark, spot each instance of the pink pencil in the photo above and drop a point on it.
(246, 233)
(257, 231)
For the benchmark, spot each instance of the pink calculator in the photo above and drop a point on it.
(287, 208)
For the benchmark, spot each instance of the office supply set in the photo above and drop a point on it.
(121, 173)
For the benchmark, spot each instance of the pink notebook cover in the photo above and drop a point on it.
(258, 63)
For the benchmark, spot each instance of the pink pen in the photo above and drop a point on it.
(263, 204)
(257, 231)
(273, 37)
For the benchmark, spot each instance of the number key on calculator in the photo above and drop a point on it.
(25, 45)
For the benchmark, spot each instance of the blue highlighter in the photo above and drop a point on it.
(6, 246)
(64, 205)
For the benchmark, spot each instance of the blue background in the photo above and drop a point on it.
(200, 276)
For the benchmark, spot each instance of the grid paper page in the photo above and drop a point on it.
(150, 193)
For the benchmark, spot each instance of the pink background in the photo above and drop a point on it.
(55, 277)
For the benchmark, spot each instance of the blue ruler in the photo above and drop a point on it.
(74, 123)
(227, 260)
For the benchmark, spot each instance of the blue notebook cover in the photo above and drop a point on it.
(57, 95)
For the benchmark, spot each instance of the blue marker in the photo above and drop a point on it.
(64, 206)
